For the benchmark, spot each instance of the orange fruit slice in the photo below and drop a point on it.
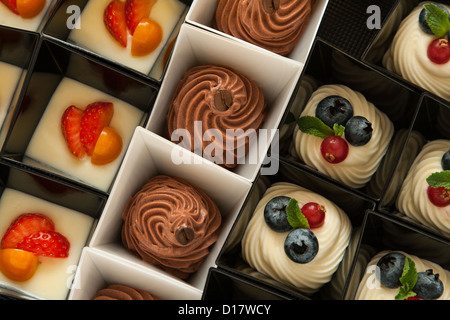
(147, 37)
(30, 8)
(107, 148)
(18, 265)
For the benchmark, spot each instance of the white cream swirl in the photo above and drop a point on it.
(371, 289)
(263, 248)
(413, 199)
(407, 56)
(362, 162)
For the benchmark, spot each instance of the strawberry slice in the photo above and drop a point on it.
(11, 4)
(46, 243)
(136, 10)
(114, 19)
(23, 226)
(96, 116)
(71, 126)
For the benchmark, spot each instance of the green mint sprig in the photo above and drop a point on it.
(408, 280)
(295, 216)
(316, 127)
(439, 179)
(437, 19)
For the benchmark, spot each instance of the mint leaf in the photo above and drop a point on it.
(338, 130)
(314, 126)
(439, 179)
(295, 216)
(437, 20)
(408, 280)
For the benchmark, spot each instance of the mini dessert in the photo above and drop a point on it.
(82, 133)
(171, 224)
(296, 236)
(342, 135)
(23, 14)
(131, 32)
(420, 52)
(216, 112)
(123, 292)
(273, 25)
(40, 244)
(11, 75)
(424, 195)
(396, 275)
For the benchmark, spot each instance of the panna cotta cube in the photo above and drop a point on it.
(11, 19)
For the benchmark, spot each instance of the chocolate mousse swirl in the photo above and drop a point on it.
(171, 224)
(123, 292)
(220, 110)
(275, 25)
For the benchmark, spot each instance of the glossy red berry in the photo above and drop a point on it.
(334, 149)
(412, 298)
(439, 51)
(314, 213)
(440, 197)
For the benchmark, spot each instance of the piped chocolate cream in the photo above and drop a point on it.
(275, 25)
(220, 111)
(171, 224)
(123, 292)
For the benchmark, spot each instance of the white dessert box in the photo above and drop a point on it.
(202, 12)
(276, 76)
(148, 156)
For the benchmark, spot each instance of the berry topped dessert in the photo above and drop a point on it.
(23, 14)
(123, 292)
(420, 50)
(343, 135)
(275, 25)
(130, 32)
(296, 236)
(425, 192)
(395, 275)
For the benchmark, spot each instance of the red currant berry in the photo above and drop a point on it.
(314, 213)
(439, 51)
(440, 197)
(412, 298)
(334, 149)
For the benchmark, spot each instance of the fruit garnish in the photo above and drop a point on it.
(334, 109)
(301, 245)
(95, 117)
(46, 244)
(71, 126)
(108, 147)
(439, 188)
(358, 131)
(23, 226)
(407, 280)
(428, 285)
(275, 214)
(115, 22)
(439, 51)
(334, 149)
(295, 216)
(445, 161)
(11, 4)
(18, 265)
(147, 37)
(390, 268)
(437, 20)
(30, 8)
(135, 11)
(314, 213)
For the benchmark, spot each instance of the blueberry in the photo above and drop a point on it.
(428, 285)
(445, 162)
(423, 19)
(301, 245)
(390, 267)
(358, 131)
(275, 214)
(334, 109)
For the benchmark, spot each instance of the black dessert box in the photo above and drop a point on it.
(231, 258)
(328, 66)
(53, 65)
